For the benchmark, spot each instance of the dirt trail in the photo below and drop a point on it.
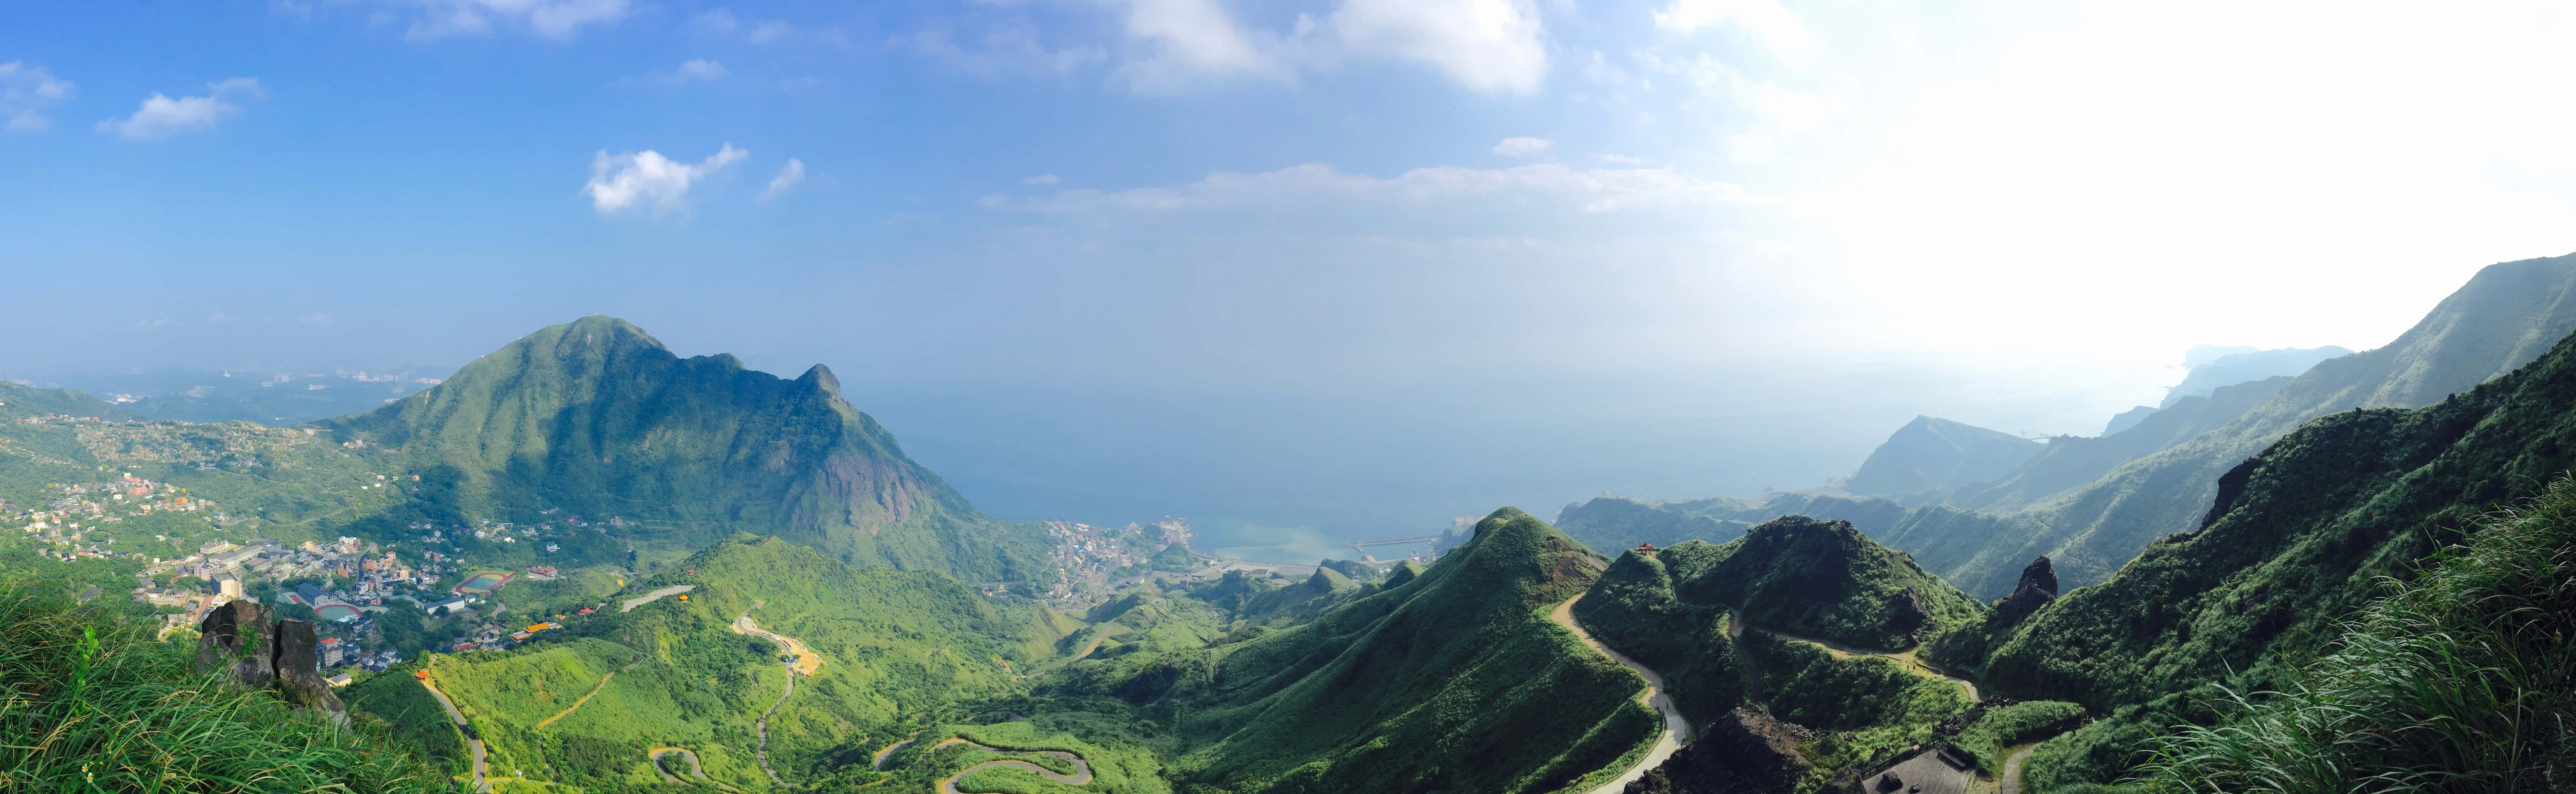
(1677, 731)
(1906, 658)
(1081, 771)
(594, 692)
(471, 742)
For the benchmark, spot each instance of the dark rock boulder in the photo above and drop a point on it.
(2038, 586)
(299, 671)
(235, 639)
(1744, 752)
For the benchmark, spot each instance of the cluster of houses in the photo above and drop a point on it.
(74, 522)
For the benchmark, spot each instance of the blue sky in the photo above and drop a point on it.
(1117, 258)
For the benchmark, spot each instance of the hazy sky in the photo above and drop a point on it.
(1335, 264)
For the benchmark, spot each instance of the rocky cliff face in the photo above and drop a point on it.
(2037, 587)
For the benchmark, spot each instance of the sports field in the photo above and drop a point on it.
(484, 582)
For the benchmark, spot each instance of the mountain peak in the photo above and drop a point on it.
(821, 376)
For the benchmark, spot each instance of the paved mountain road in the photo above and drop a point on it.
(471, 742)
(1081, 770)
(1677, 731)
(630, 604)
(1907, 658)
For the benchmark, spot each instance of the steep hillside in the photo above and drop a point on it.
(598, 419)
(1811, 578)
(1451, 680)
(2071, 462)
(1930, 454)
(2300, 536)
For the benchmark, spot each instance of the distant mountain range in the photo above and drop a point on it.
(2091, 505)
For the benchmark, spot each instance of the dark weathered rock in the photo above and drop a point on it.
(299, 672)
(2038, 586)
(1744, 752)
(235, 639)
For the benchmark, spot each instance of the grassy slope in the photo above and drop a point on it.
(2459, 681)
(92, 695)
(597, 418)
(903, 650)
(1455, 681)
(2321, 518)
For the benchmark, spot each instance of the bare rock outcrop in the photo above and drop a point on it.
(248, 644)
(235, 639)
(2038, 586)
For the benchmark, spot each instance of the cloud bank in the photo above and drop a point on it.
(25, 92)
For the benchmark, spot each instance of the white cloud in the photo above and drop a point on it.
(1485, 45)
(1522, 147)
(699, 68)
(25, 91)
(721, 23)
(1765, 21)
(1182, 42)
(788, 176)
(161, 116)
(1623, 159)
(1589, 191)
(557, 19)
(627, 181)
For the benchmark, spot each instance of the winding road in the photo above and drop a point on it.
(802, 660)
(2012, 769)
(472, 744)
(878, 765)
(1908, 658)
(657, 753)
(1677, 731)
(1081, 771)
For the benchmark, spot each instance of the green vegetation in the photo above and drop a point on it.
(2020, 723)
(96, 705)
(1863, 707)
(598, 419)
(1452, 680)
(1819, 579)
(2302, 536)
(2461, 680)
(1633, 609)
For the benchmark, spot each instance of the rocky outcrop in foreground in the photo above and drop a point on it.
(251, 647)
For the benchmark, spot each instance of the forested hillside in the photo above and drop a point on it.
(2300, 537)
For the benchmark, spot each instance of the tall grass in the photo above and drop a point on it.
(2463, 680)
(89, 703)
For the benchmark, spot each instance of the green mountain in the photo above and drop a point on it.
(19, 401)
(2300, 537)
(1619, 522)
(1453, 679)
(2501, 319)
(597, 419)
(2072, 462)
(1930, 454)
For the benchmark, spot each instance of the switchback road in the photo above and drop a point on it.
(1677, 731)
